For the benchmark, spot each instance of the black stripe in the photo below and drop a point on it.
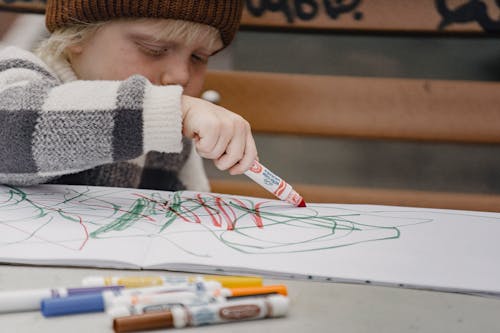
(16, 154)
(19, 113)
(128, 129)
(156, 179)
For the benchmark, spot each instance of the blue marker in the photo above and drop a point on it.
(72, 305)
(99, 302)
(29, 300)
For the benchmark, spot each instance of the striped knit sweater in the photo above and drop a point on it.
(57, 129)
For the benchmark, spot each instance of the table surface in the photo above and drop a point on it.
(315, 307)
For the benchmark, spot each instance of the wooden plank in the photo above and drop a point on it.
(25, 6)
(375, 108)
(466, 16)
(392, 197)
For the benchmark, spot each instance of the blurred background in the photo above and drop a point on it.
(354, 50)
(349, 162)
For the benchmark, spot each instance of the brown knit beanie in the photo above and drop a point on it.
(224, 15)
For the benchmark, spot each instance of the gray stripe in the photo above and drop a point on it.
(128, 125)
(72, 139)
(131, 93)
(19, 111)
(169, 161)
(122, 174)
(20, 63)
(16, 128)
(28, 97)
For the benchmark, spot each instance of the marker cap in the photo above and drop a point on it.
(118, 311)
(146, 321)
(279, 304)
(72, 305)
(179, 316)
(96, 281)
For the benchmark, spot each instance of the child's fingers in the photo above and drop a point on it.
(206, 143)
(219, 134)
(234, 153)
(214, 136)
(250, 155)
(225, 136)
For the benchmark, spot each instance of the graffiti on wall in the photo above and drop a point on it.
(305, 10)
(445, 13)
(471, 11)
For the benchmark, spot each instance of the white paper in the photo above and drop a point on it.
(206, 232)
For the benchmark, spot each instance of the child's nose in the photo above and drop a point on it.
(176, 73)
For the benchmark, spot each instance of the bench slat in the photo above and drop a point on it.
(375, 108)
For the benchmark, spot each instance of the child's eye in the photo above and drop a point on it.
(156, 52)
(199, 58)
(151, 50)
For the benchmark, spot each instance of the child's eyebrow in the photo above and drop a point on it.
(146, 36)
(152, 38)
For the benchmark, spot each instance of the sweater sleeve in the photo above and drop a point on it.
(49, 128)
(193, 173)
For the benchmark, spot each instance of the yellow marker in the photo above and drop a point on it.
(146, 281)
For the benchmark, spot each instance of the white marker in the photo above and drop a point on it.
(29, 299)
(213, 313)
(122, 306)
(216, 313)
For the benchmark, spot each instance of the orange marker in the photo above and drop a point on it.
(253, 291)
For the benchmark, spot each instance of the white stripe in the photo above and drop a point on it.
(162, 119)
(83, 95)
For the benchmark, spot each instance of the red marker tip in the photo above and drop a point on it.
(302, 203)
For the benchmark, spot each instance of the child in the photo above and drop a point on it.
(112, 93)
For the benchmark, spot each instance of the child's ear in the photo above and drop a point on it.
(75, 48)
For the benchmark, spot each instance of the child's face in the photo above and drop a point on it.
(120, 49)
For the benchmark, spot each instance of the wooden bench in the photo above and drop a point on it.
(365, 108)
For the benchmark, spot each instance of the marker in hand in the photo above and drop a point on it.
(260, 174)
(274, 184)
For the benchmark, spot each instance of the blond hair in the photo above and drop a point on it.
(55, 47)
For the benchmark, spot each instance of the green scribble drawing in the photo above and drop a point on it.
(244, 225)
(140, 208)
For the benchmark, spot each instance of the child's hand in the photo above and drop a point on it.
(218, 134)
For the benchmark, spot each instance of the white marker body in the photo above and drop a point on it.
(217, 313)
(27, 300)
(132, 305)
(110, 297)
(128, 281)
